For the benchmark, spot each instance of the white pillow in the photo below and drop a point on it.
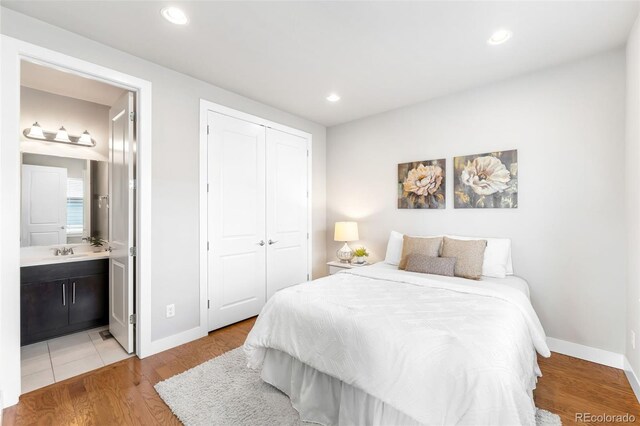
(509, 263)
(497, 256)
(394, 249)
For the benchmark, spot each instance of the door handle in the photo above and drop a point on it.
(261, 243)
(73, 293)
(64, 295)
(271, 242)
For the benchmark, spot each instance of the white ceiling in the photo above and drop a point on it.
(66, 84)
(377, 55)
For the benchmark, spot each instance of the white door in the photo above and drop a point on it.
(236, 219)
(44, 206)
(121, 220)
(287, 210)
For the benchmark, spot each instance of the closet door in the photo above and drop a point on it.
(287, 210)
(236, 222)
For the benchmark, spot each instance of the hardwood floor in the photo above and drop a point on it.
(123, 393)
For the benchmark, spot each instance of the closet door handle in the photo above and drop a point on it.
(64, 294)
(271, 242)
(261, 243)
(73, 293)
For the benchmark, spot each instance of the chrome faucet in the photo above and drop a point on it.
(63, 251)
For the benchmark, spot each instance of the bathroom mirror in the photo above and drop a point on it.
(64, 200)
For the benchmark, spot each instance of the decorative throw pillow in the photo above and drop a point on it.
(417, 262)
(469, 255)
(426, 246)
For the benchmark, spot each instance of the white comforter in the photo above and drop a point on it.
(441, 350)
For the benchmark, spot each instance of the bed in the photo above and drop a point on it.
(379, 346)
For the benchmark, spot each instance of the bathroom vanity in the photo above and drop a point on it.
(63, 295)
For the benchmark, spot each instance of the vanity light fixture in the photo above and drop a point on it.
(35, 132)
(61, 136)
(174, 15)
(499, 37)
(333, 98)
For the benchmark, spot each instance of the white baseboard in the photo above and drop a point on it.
(633, 379)
(599, 356)
(175, 340)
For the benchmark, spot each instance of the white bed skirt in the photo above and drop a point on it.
(320, 398)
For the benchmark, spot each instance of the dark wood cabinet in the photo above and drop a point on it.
(89, 298)
(44, 307)
(63, 298)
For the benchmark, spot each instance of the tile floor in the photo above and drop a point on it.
(58, 359)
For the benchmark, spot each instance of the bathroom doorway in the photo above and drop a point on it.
(77, 231)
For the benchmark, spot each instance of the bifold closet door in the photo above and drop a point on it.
(287, 210)
(236, 219)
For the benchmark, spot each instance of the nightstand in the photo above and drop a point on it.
(336, 266)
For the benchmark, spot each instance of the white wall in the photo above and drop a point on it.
(52, 111)
(633, 195)
(175, 200)
(568, 231)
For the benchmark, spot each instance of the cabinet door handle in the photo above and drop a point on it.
(64, 295)
(73, 293)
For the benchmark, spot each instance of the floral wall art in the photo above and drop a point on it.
(421, 185)
(486, 180)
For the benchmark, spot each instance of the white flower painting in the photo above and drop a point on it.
(486, 180)
(421, 185)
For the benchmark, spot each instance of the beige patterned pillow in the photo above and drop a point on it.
(470, 255)
(426, 246)
(431, 265)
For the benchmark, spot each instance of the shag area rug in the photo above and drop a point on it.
(224, 391)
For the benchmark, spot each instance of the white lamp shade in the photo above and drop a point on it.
(85, 138)
(62, 135)
(346, 231)
(36, 131)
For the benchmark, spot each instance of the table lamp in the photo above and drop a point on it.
(345, 231)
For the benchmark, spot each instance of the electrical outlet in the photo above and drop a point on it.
(633, 339)
(171, 310)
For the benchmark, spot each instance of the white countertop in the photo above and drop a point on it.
(36, 256)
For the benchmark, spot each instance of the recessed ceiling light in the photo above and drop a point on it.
(333, 98)
(174, 15)
(500, 37)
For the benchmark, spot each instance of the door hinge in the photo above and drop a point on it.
(307, 153)
(307, 235)
(132, 319)
(132, 184)
(208, 304)
(133, 251)
(207, 245)
(307, 277)
(207, 187)
(132, 116)
(207, 129)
